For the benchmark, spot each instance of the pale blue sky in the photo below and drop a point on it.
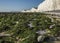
(17, 5)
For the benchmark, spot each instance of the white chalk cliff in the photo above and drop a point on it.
(49, 5)
(46, 5)
(31, 10)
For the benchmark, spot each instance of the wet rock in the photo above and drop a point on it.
(51, 26)
(58, 38)
(4, 35)
(30, 25)
(40, 38)
(42, 32)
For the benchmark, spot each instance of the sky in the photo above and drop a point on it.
(18, 5)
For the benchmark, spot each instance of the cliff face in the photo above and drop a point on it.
(57, 4)
(46, 5)
(31, 10)
(49, 5)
